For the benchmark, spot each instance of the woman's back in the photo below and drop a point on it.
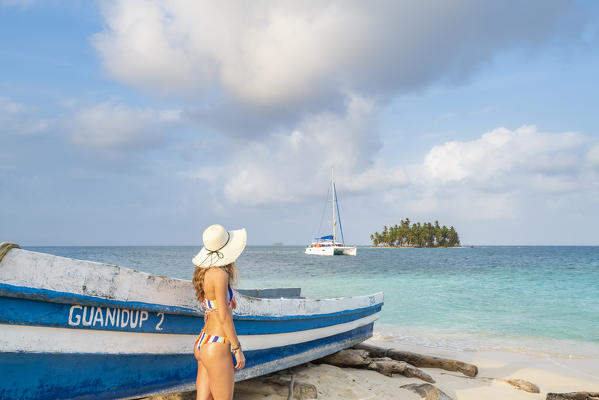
(217, 293)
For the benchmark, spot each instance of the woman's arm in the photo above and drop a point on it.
(224, 314)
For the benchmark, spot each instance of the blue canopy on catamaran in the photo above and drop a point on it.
(327, 237)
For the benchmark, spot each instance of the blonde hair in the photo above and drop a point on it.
(198, 278)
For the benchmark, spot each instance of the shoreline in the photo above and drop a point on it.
(463, 341)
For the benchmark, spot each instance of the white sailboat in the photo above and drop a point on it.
(329, 245)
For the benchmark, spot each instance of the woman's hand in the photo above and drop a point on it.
(233, 303)
(239, 359)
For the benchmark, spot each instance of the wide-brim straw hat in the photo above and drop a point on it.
(221, 247)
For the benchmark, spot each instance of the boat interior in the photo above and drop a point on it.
(274, 293)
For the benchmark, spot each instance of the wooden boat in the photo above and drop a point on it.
(79, 329)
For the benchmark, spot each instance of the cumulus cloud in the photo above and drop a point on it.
(489, 178)
(495, 175)
(502, 152)
(287, 166)
(269, 53)
(119, 126)
(296, 88)
(593, 156)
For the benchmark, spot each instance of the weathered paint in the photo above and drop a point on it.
(42, 307)
(60, 274)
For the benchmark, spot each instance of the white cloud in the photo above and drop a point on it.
(297, 86)
(293, 166)
(498, 175)
(593, 156)
(490, 178)
(119, 126)
(274, 53)
(502, 152)
(17, 118)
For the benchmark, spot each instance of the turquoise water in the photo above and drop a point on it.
(495, 294)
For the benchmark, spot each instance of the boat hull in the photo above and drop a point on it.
(346, 251)
(47, 375)
(321, 251)
(331, 250)
(89, 330)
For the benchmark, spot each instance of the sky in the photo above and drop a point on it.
(130, 122)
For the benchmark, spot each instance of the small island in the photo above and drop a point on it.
(416, 235)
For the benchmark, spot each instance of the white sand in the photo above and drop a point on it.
(556, 374)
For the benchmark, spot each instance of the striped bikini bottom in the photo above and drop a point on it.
(204, 338)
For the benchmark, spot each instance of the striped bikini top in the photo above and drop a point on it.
(210, 305)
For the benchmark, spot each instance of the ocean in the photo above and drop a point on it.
(539, 300)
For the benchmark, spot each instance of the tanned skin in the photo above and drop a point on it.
(216, 373)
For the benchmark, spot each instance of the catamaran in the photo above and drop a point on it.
(329, 245)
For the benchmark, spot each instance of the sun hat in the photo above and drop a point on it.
(221, 247)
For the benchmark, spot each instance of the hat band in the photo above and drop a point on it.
(220, 248)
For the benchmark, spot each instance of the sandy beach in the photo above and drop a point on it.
(557, 374)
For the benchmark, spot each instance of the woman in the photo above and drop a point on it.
(215, 272)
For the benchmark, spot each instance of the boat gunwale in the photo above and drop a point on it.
(53, 296)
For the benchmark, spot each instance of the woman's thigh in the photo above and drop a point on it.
(202, 380)
(216, 357)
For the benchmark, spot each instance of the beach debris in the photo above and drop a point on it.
(427, 391)
(573, 396)
(388, 367)
(278, 384)
(384, 365)
(523, 385)
(420, 360)
(347, 358)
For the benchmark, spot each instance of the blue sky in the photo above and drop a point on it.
(142, 122)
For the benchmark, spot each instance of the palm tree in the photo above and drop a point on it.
(417, 235)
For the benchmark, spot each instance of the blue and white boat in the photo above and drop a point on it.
(79, 329)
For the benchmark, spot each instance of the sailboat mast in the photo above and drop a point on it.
(333, 199)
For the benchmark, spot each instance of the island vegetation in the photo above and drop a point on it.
(416, 235)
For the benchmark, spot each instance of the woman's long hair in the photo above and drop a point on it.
(198, 278)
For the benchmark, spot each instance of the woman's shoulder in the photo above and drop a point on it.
(216, 273)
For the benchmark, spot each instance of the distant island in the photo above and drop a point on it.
(416, 235)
